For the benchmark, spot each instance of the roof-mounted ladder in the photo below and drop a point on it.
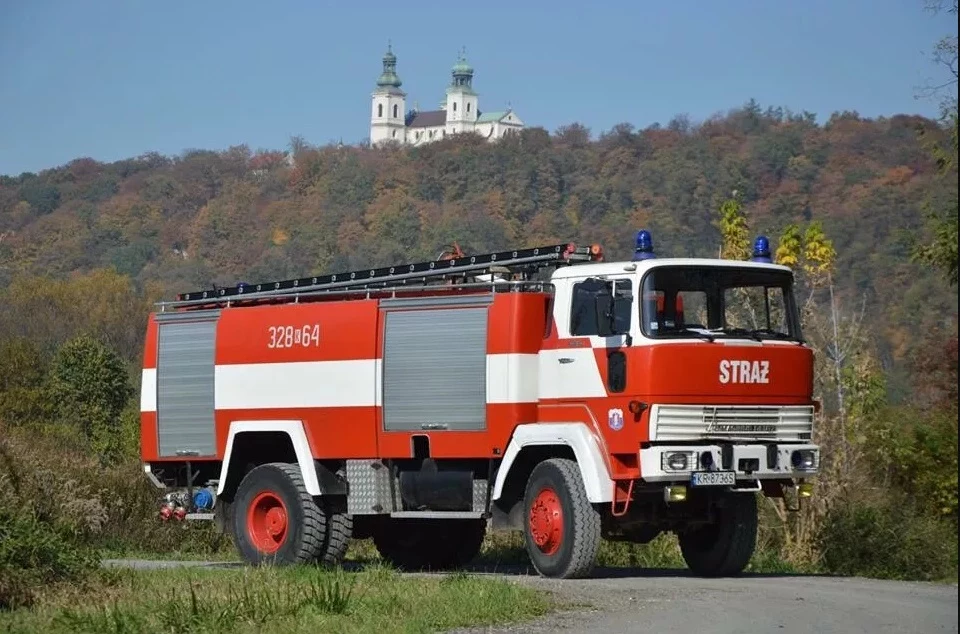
(516, 261)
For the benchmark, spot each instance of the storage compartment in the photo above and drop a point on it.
(185, 389)
(435, 368)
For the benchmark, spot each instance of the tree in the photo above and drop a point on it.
(945, 57)
(734, 230)
(940, 248)
(90, 387)
(789, 248)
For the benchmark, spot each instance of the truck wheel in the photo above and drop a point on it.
(339, 529)
(275, 520)
(723, 548)
(433, 544)
(561, 526)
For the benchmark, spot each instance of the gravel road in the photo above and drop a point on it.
(619, 601)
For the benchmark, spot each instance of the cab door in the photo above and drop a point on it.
(582, 361)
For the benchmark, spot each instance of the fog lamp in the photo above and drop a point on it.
(675, 493)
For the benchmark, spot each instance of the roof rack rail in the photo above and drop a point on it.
(518, 260)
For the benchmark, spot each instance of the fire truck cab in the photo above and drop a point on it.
(541, 390)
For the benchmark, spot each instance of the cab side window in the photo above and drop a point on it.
(584, 316)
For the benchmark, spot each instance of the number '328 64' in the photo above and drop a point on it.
(292, 336)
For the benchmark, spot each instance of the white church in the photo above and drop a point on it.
(391, 122)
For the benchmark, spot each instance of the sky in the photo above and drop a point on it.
(113, 79)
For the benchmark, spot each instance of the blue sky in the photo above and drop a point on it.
(112, 79)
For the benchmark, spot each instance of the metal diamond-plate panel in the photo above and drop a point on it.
(480, 495)
(369, 482)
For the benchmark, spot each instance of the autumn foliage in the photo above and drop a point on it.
(87, 247)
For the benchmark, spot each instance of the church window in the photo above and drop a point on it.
(468, 107)
(394, 134)
(394, 110)
(379, 109)
(454, 106)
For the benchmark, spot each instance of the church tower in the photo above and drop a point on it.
(388, 112)
(461, 104)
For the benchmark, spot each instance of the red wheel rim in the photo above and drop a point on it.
(546, 521)
(267, 522)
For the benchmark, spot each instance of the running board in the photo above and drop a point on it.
(453, 515)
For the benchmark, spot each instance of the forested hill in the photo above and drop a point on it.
(205, 217)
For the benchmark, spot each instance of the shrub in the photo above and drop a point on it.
(47, 474)
(90, 386)
(45, 519)
(34, 554)
(888, 541)
(918, 450)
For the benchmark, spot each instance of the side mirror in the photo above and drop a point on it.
(604, 308)
(607, 308)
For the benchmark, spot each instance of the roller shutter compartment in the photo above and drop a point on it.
(435, 369)
(185, 382)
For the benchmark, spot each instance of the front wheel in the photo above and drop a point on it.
(561, 526)
(723, 548)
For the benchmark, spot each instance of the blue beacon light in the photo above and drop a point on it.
(761, 250)
(644, 246)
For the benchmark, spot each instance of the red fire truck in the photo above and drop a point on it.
(542, 390)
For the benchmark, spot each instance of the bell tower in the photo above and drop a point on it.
(388, 112)
(461, 104)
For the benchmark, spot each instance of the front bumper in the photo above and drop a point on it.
(751, 462)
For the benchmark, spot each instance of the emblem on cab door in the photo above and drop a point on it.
(615, 419)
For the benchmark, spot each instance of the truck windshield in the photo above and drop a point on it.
(710, 302)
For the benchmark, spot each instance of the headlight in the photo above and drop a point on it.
(804, 459)
(678, 461)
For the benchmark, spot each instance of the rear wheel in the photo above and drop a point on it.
(431, 544)
(275, 519)
(723, 548)
(561, 526)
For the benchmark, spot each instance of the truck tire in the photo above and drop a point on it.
(429, 544)
(561, 527)
(276, 521)
(723, 548)
(339, 529)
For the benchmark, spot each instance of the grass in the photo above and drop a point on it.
(300, 599)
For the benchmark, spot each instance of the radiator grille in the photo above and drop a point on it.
(731, 422)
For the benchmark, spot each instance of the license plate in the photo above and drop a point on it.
(713, 478)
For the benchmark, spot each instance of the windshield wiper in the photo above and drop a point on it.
(773, 334)
(698, 333)
(741, 332)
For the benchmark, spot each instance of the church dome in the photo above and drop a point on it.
(389, 78)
